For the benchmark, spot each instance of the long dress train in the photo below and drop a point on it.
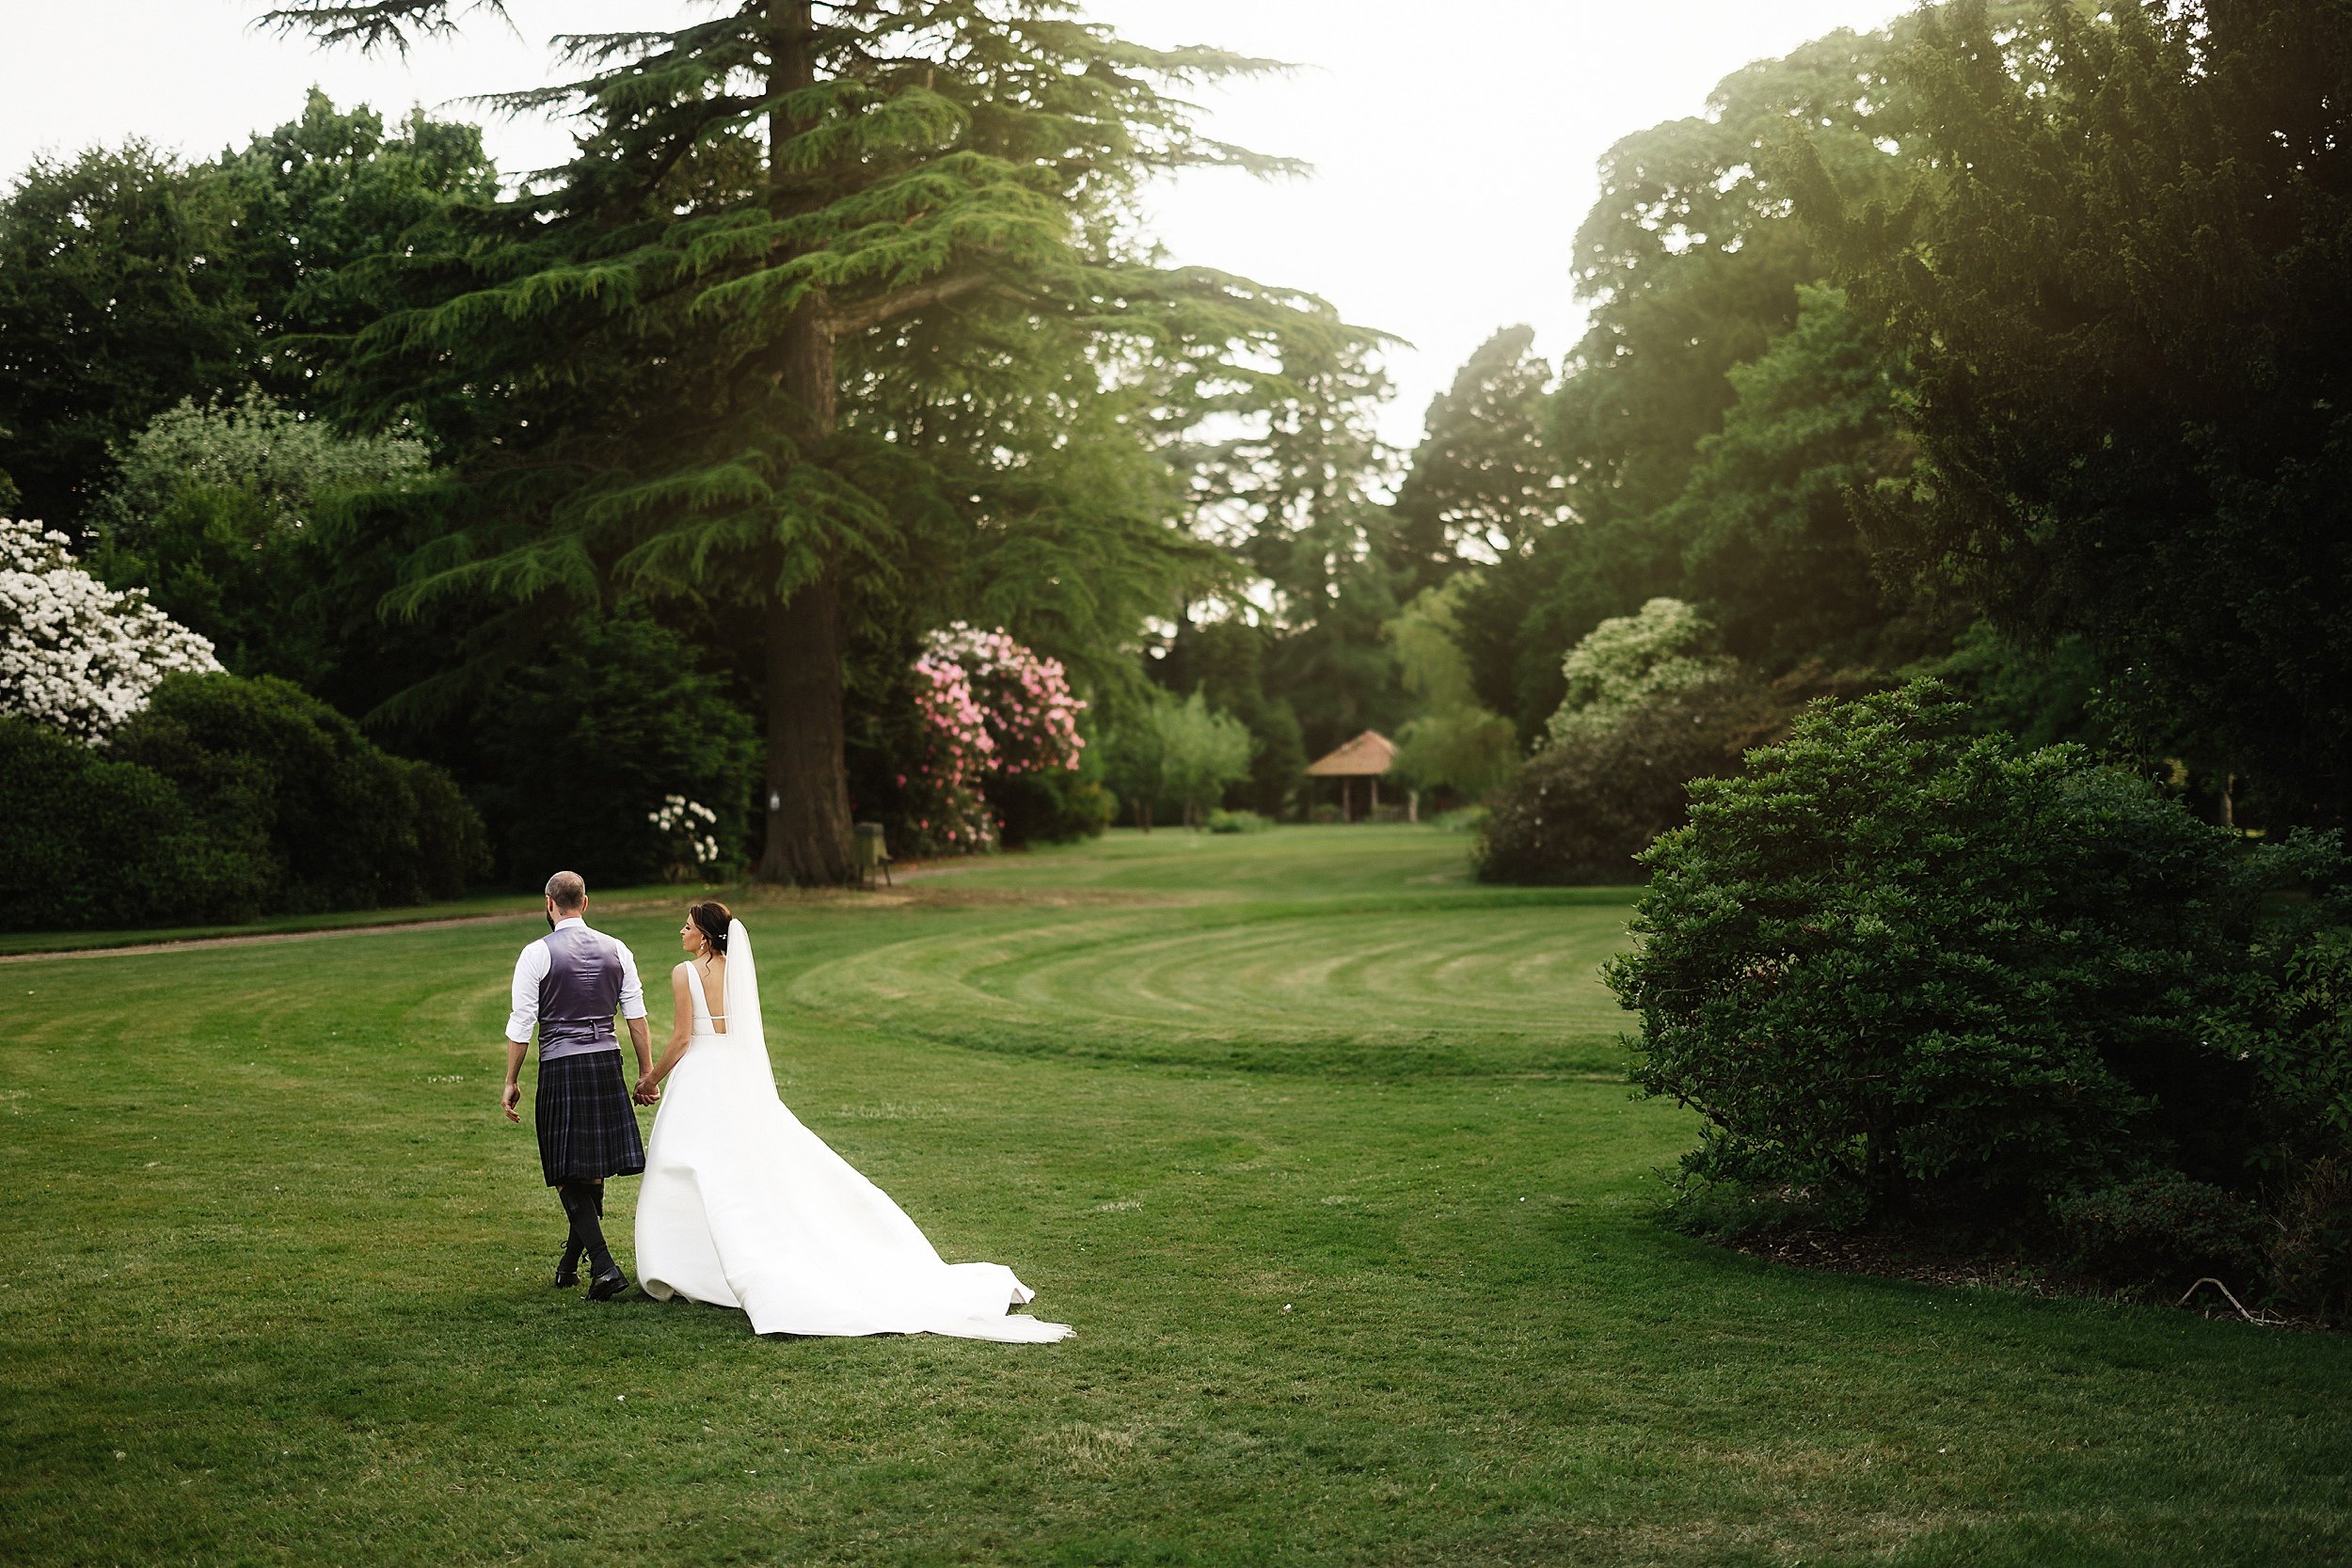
(742, 1206)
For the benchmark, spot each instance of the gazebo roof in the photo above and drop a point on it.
(1367, 757)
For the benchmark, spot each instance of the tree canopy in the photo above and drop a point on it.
(120, 293)
(2118, 293)
(841, 316)
(1950, 348)
(131, 280)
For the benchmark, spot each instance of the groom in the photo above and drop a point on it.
(569, 984)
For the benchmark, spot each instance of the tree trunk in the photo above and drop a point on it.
(808, 795)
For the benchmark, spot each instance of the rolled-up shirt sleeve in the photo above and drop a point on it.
(632, 988)
(523, 996)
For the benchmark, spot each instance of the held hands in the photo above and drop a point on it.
(510, 1098)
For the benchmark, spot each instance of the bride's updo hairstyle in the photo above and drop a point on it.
(711, 918)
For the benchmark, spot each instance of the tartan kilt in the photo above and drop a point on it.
(586, 1122)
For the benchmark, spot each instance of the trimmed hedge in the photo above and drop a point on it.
(94, 842)
(223, 800)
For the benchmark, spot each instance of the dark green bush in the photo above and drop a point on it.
(341, 822)
(1580, 811)
(2163, 1229)
(1907, 972)
(2307, 1256)
(1053, 807)
(1237, 822)
(93, 842)
(2293, 1022)
(453, 847)
(577, 750)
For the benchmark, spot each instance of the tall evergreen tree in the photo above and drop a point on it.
(1286, 484)
(834, 304)
(1484, 483)
(1288, 488)
(1774, 551)
(1693, 267)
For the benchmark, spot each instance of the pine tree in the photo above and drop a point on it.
(1481, 484)
(833, 304)
(1288, 488)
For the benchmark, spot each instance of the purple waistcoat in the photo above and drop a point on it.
(579, 994)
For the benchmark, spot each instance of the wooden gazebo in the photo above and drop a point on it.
(1367, 758)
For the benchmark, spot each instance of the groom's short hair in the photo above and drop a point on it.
(567, 890)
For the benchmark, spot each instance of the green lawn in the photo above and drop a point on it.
(1324, 1150)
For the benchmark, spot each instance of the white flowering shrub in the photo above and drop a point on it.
(1625, 661)
(687, 824)
(256, 445)
(74, 654)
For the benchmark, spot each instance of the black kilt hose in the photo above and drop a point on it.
(587, 1124)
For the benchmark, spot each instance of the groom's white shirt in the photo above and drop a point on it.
(523, 998)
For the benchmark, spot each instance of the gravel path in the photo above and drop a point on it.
(189, 943)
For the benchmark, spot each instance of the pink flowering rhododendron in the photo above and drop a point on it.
(990, 706)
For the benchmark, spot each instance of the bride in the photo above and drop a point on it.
(742, 1206)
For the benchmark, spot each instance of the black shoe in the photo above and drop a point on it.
(604, 1287)
(567, 1274)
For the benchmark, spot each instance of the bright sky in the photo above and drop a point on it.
(1454, 146)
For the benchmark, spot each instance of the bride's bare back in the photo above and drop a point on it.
(712, 976)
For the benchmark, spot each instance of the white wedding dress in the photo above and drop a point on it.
(742, 1206)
